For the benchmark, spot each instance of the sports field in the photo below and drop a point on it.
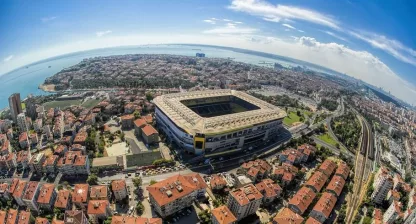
(62, 104)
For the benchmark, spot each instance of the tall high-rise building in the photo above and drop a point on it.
(15, 105)
(31, 107)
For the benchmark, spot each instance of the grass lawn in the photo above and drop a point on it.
(62, 104)
(327, 138)
(90, 103)
(23, 106)
(291, 118)
(307, 112)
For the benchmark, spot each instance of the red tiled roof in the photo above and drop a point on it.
(118, 185)
(268, 188)
(325, 204)
(166, 191)
(303, 198)
(140, 122)
(24, 217)
(98, 191)
(223, 215)
(11, 216)
(62, 199)
(30, 190)
(287, 216)
(40, 220)
(327, 167)
(20, 188)
(135, 220)
(336, 185)
(80, 194)
(246, 194)
(312, 220)
(217, 180)
(149, 130)
(45, 194)
(343, 169)
(317, 180)
(97, 207)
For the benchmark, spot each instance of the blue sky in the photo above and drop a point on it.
(370, 40)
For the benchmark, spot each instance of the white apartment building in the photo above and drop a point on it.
(393, 212)
(175, 193)
(383, 182)
(119, 189)
(36, 162)
(244, 201)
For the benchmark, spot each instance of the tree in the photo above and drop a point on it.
(298, 113)
(122, 137)
(58, 213)
(337, 145)
(139, 208)
(136, 114)
(92, 179)
(137, 182)
(152, 182)
(108, 220)
(149, 96)
(205, 217)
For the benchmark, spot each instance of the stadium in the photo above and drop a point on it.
(213, 121)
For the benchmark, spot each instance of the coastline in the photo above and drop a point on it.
(50, 88)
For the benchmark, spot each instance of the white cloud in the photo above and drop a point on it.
(230, 29)
(392, 47)
(238, 22)
(48, 19)
(210, 21)
(288, 26)
(336, 36)
(227, 20)
(301, 31)
(103, 33)
(275, 13)
(8, 58)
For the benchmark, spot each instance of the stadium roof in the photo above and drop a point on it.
(191, 122)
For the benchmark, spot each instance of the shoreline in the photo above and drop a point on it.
(50, 88)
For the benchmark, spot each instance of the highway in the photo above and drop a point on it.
(362, 170)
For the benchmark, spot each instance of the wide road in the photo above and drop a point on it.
(361, 170)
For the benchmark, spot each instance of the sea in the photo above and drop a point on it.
(27, 79)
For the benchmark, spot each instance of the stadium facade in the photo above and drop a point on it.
(212, 121)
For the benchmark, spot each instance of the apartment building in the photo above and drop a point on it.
(36, 163)
(307, 151)
(393, 213)
(336, 185)
(31, 194)
(22, 159)
(302, 200)
(284, 173)
(63, 200)
(19, 192)
(74, 163)
(377, 216)
(222, 215)
(327, 167)
(217, 182)
(149, 134)
(24, 217)
(75, 217)
(9, 160)
(4, 191)
(98, 210)
(80, 195)
(119, 189)
(49, 165)
(21, 123)
(291, 156)
(269, 189)
(12, 215)
(383, 182)
(323, 208)
(342, 170)
(317, 181)
(287, 216)
(99, 192)
(244, 201)
(47, 197)
(257, 169)
(175, 193)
